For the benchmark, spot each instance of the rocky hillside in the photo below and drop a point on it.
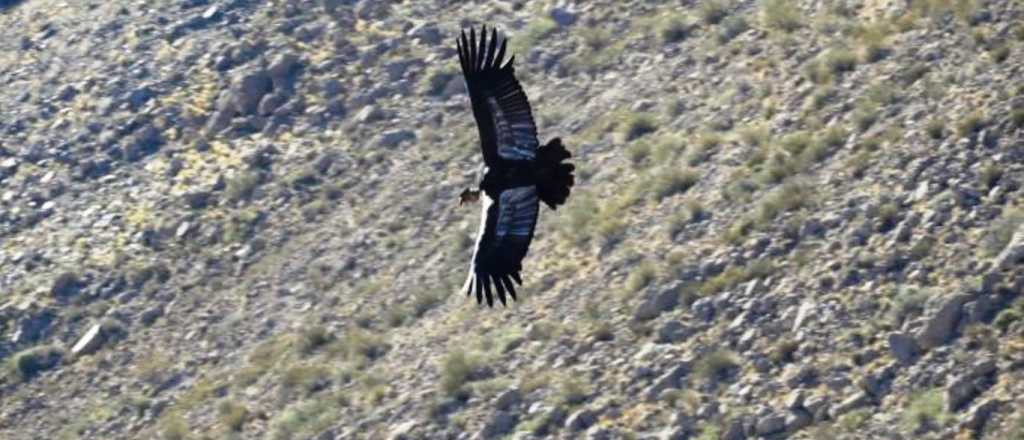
(236, 219)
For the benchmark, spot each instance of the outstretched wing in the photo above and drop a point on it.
(506, 229)
(502, 112)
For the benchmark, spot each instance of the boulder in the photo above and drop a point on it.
(940, 327)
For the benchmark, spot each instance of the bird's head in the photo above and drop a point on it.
(468, 196)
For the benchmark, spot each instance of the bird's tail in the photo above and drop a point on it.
(555, 177)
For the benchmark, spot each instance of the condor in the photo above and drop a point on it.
(518, 173)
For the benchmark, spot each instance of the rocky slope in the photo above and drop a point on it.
(236, 219)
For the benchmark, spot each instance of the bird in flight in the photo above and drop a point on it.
(518, 173)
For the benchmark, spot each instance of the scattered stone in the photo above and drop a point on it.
(979, 415)
(426, 33)
(394, 138)
(803, 314)
(501, 423)
(403, 431)
(1013, 252)
(32, 326)
(508, 399)
(672, 332)
(851, 403)
(667, 381)
(703, 309)
(90, 342)
(145, 141)
(271, 103)
(563, 16)
(66, 285)
(797, 420)
(581, 420)
(771, 424)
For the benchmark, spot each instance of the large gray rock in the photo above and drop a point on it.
(581, 420)
(734, 431)
(426, 33)
(962, 390)
(508, 399)
(656, 303)
(979, 414)
(248, 89)
(903, 347)
(770, 424)
(672, 332)
(563, 16)
(851, 403)
(145, 141)
(500, 423)
(669, 380)
(32, 325)
(940, 327)
(1013, 252)
(798, 419)
(282, 70)
(394, 138)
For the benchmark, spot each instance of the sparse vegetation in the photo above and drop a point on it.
(717, 366)
(781, 15)
(232, 415)
(635, 125)
(30, 363)
(926, 408)
(458, 369)
(1001, 231)
(936, 128)
(970, 124)
(670, 181)
(644, 274)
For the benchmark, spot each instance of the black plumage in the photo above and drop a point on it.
(519, 173)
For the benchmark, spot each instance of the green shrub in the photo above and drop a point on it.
(731, 28)
(925, 408)
(672, 27)
(638, 153)
(865, 115)
(907, 303)
(671, 181)
(635, 125)
(458, 369)
(713, 11)
(436, 80)
(30, 363)
(232, 415)
(572, 391)
(971, 124)
(936, 128)
(782, 15)
(535, 31)
(641, 276)
(1017, 118)
(1001, 231)
(716, 366)
(313, 338)
(599, 50)
(1006, 318)
(242, 185)
(990, 175)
